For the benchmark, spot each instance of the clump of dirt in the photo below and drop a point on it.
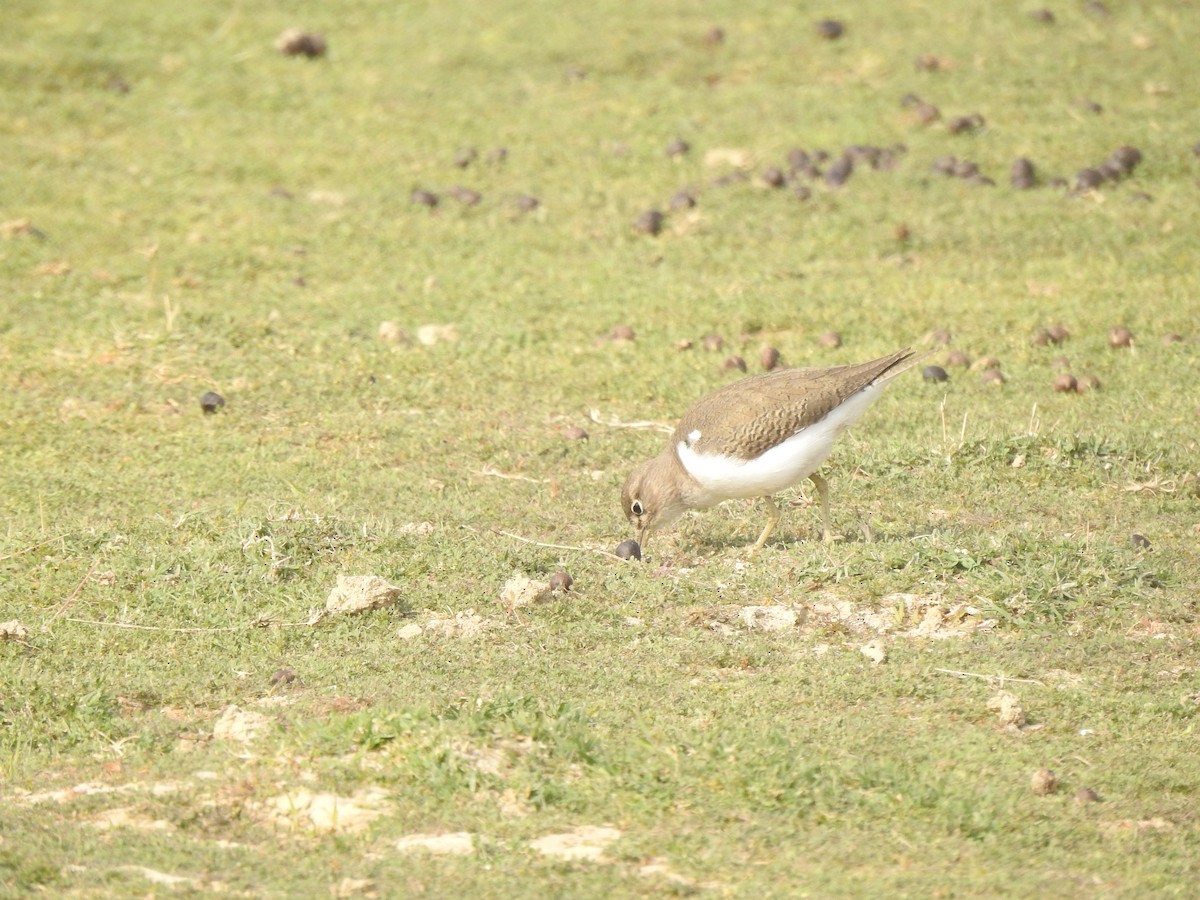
(359, 593)
(457, 843)
(585, 842)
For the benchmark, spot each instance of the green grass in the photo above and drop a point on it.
(241, 222)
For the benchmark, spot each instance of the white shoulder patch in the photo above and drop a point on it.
(693, 436)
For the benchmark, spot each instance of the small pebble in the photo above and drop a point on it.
(712, 342)
(1023, 175)
(629, 550)
(1041, 338)
(527, 203)
(1120, 337)
(964, 168)
(774, 177)
(425, 198)
(1127, 157)
(678, 147)
(1059, 333)
(1066, 384)
(958, 358)
(465, 195)
(575, 433)
(465, 157)
(649, 222)
(1043, 782)
(560, 582)
(992, 376)
(798, 159)
(1139, 541)
(925, 113)
(965, 124)
(830, 340)
(683, 200)
(734, 362)
(1171, 338)
(714, 37)
(622, 333)
(211, 401)
(839, 173)
(497, 156)
(1088, 179)
(295, 42)
(939, 337)
(935, 374)
(768, 358)
(830, 29)
(984, 363)
(1086, 795)
(283, 676)
(944, 165)
(684, 344)
(1087, 383)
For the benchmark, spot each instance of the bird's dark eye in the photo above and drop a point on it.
(636, 508)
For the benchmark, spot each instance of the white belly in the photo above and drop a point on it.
(725, 477)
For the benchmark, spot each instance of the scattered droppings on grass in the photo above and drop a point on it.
(874, 651)
(585, 842)
(326, 812)
(127, 817)
(429, 335)
(521, 590)
(1085, 796)
(359, 593)
(768, 618)
(1008, 710)
(457, 843)
(237, 724)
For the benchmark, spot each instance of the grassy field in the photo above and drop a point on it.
(187, 210)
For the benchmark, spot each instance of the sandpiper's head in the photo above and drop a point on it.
(652, 496)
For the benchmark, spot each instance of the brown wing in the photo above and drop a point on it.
(750, 416)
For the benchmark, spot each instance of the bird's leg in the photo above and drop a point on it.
(823, 490)
(773, 515)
